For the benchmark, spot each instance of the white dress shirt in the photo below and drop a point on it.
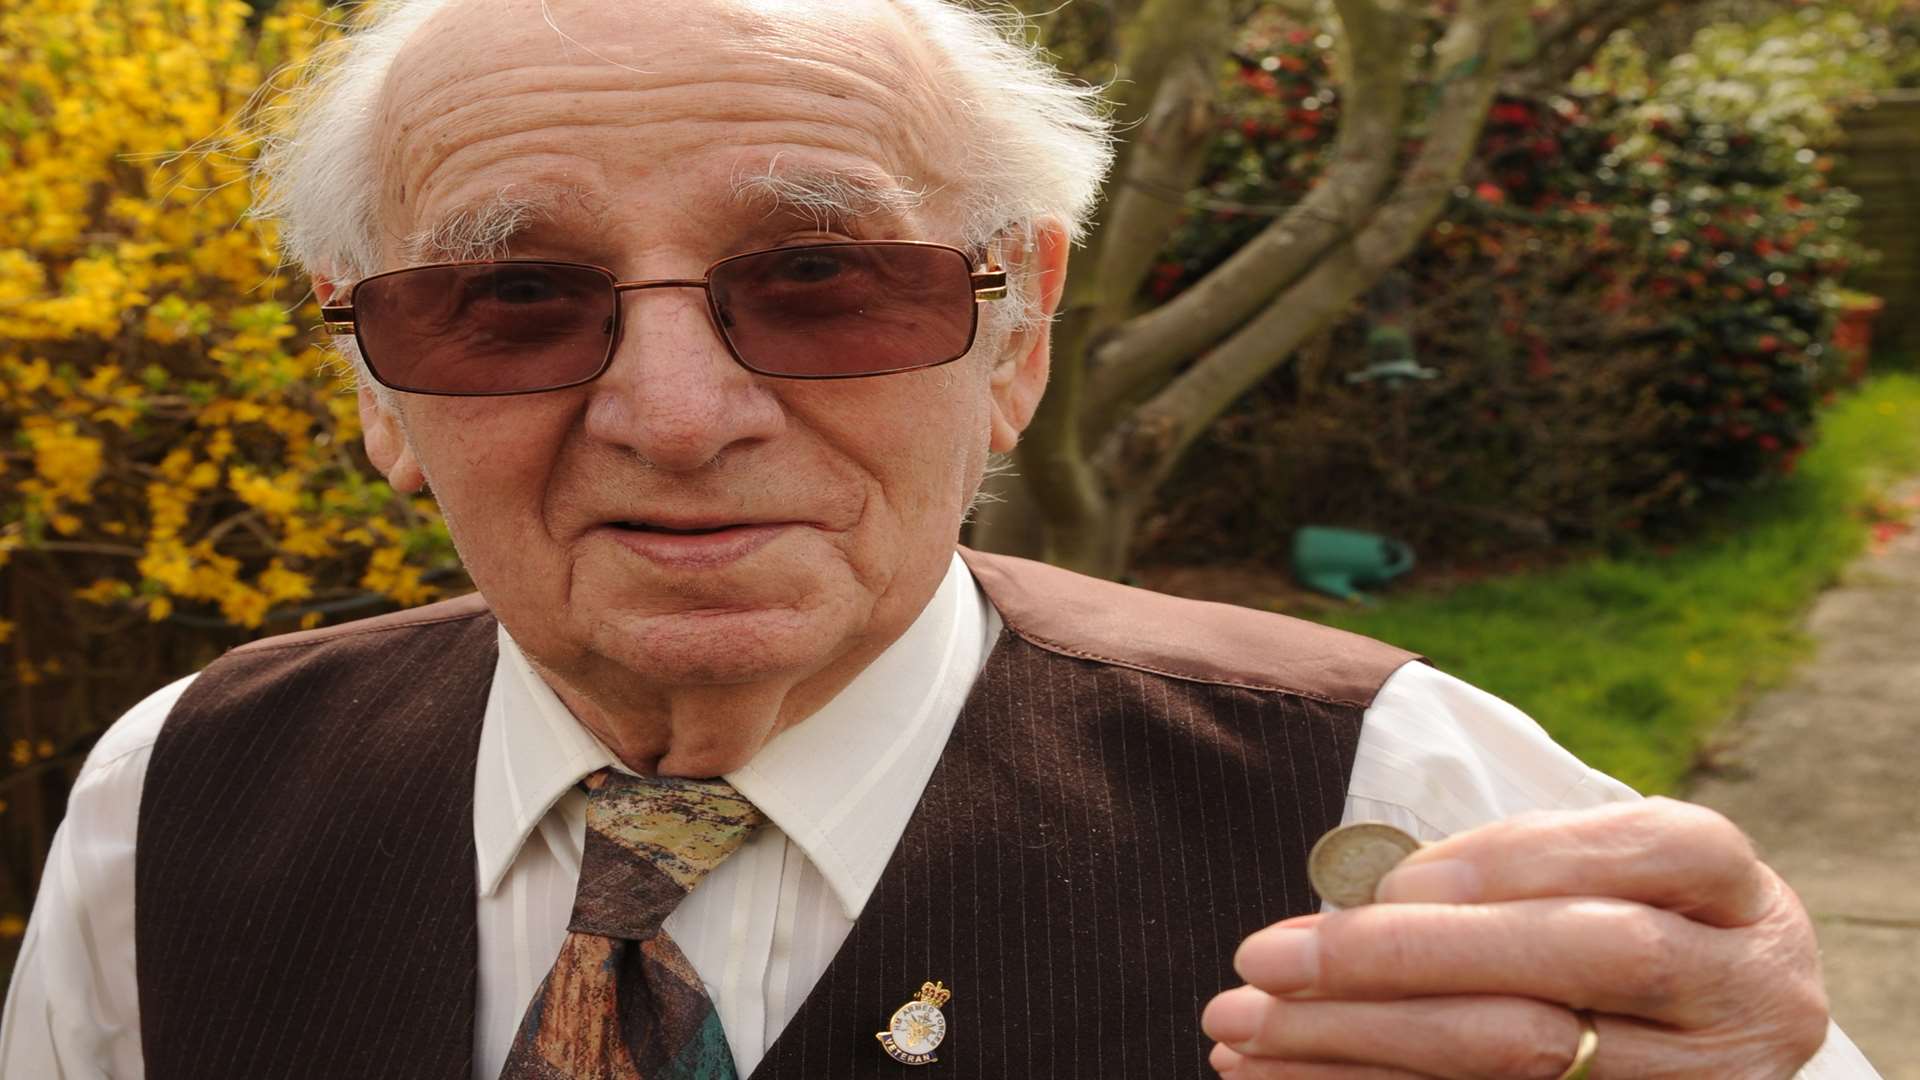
(1435, 757)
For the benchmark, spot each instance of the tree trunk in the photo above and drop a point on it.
(1131, 393)
(1008, 519)
(1101, 546)
(1168, 62)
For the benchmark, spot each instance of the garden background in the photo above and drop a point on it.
(1572, 297)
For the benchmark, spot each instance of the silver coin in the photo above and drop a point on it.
(1347, 864)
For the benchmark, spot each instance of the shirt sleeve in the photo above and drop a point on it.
(73, 1009)
(1438, 756)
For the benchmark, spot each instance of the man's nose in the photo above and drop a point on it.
(673, 393)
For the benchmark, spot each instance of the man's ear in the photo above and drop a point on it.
(387, 444)
(1021, 376)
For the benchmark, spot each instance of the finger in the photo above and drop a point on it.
(1666, 854)
(1456, 1038)
(1476, 1037)
(1608, 955)
(1233, 1066)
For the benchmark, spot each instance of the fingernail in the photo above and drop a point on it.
(1234, 1016)
(1280, 959)
(1443, 881)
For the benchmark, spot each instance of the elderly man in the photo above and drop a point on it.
(700, 320)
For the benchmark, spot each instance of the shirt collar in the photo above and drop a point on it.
(532, 751)
(841, 784)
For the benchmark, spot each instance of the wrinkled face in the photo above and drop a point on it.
(681, 521)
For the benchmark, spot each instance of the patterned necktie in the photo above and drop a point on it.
(622, 1002)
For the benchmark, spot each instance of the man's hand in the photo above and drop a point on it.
(1695, 959)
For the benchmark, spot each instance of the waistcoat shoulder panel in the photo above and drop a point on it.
(1099, 620)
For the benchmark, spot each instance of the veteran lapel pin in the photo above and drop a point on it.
(917, 1027)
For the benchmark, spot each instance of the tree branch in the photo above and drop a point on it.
(1570, 39)
(1167, 38)
(1150, 347)
(1469, 61)
(1169, 150)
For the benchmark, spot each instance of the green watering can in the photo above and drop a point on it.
(1339, 562)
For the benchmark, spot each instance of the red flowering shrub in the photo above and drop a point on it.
(1281, 116)
(1711, 241)
(1621, 307)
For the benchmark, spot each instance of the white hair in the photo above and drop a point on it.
(1034, 147)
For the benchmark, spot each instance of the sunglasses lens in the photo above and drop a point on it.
(497, 328)
(846, 309)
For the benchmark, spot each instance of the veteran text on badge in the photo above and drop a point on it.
(917, 1027)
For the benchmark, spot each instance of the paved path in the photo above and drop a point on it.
(1824, 773)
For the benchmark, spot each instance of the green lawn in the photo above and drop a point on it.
(1631, 662)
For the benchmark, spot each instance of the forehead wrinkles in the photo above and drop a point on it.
(490, 81)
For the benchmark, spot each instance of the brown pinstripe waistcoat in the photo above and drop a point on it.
(1131, 788)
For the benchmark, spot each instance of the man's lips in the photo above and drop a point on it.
(678, 530)
(689, 543)
(690, 526)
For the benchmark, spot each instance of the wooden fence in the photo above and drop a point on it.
(1880, 162)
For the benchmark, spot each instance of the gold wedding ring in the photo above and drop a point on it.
(1589, 1046)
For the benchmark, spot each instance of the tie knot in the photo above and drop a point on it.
(650, 840)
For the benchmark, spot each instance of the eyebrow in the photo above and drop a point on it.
(485, 229)
(827, 198)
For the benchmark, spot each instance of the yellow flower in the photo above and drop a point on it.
(282, 585)
(244, 606)
(11, 925)
(101, 382)
(158, 367)
(276, 498)
(308, 540)
(204, 475)
(21, 278)
(169, 508)
(105, 591)
(166, 562)
(68, 461)
(175, 465)
(32, 375)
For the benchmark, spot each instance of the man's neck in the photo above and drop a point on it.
(704, 731)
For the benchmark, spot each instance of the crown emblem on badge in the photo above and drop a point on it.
(917, 1027)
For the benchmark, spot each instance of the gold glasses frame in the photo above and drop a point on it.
(987, 277)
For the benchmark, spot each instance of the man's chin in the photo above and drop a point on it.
(720, 645)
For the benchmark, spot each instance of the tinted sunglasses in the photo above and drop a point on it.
(837, 310)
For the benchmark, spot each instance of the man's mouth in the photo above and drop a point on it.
(695, 544)
(668, 530)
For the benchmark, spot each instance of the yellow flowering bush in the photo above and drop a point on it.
(178, 467)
